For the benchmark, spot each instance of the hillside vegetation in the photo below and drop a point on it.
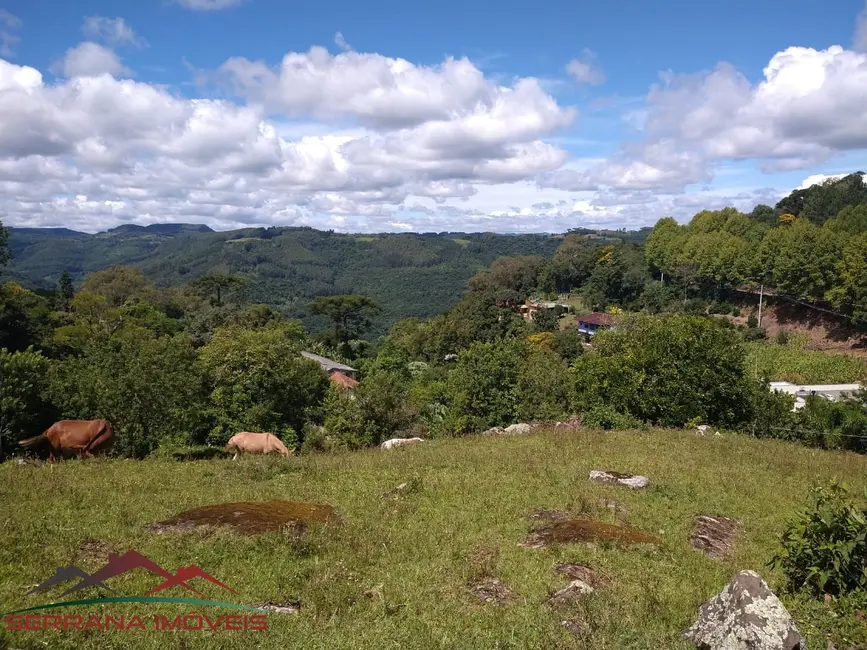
(409, 275)
(396, 573)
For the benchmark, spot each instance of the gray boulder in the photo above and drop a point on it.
(631, 481)
(745, 615)
(518, 429)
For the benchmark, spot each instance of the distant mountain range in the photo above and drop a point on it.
(410, 275)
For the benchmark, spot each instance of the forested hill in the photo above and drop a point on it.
(408, 275)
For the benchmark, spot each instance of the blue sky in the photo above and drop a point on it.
(505, 116)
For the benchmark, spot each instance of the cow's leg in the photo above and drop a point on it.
(235, 457)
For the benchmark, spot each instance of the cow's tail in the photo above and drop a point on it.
(28, 443)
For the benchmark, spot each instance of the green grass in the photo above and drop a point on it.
(461, 242)
(394, 573)
(792, 363)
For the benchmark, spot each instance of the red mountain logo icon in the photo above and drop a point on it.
(186, 573)
(118, 564)
(63, 574)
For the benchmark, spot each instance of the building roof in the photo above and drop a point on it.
(597, 318)
(806, 389)
(342, 380)
(327, 364)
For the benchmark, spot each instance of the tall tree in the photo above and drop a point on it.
(4, 245)
(571, 265)
(663, 245)
(350, 314)
(118, 284)
(217, 285)
(65, 291)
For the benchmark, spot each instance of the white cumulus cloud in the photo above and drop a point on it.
(584, 70)
(114, 31)
(97, 149)
(89, 59)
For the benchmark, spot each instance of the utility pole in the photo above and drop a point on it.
(761, 295)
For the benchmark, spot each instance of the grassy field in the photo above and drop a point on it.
(792, 363)
(395, 572)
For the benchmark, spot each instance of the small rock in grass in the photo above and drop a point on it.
(631, 481)
(613, 506)
(279, 608)
(578, 572)
(491, 591)
(571, 593)
(393, 492)
(713, 535)
(575, 626)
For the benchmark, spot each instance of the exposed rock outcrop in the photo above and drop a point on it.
(745, 615)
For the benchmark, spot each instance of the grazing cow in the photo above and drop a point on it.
(396, 442)
(70, 437)
(256, 443)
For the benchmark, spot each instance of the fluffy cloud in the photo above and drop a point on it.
(363, 141)
(89, 60)
(817, 179)
(114, 31)
(585, 70)
(340, 42)
(9, 24)
(386, 93)
(97, 149)
(811, 105)
(208, 5)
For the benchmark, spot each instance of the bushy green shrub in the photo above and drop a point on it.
(24, 409)
(755, 334)
(782, 337)
(568, 343)
(666, 370)
(483, 386)
(824, 550)
(377, 409)
(257, 381)
(148, 387)
(544, 387)
(771, 411)
(605, 417)
(835, 425)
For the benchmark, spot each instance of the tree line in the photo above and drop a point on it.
(192, 364)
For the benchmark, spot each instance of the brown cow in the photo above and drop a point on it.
(256, 443)
(70, 437)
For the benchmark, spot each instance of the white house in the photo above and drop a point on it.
(833, 392)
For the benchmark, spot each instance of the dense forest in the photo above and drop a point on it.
(196, 340)
(408, 275)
